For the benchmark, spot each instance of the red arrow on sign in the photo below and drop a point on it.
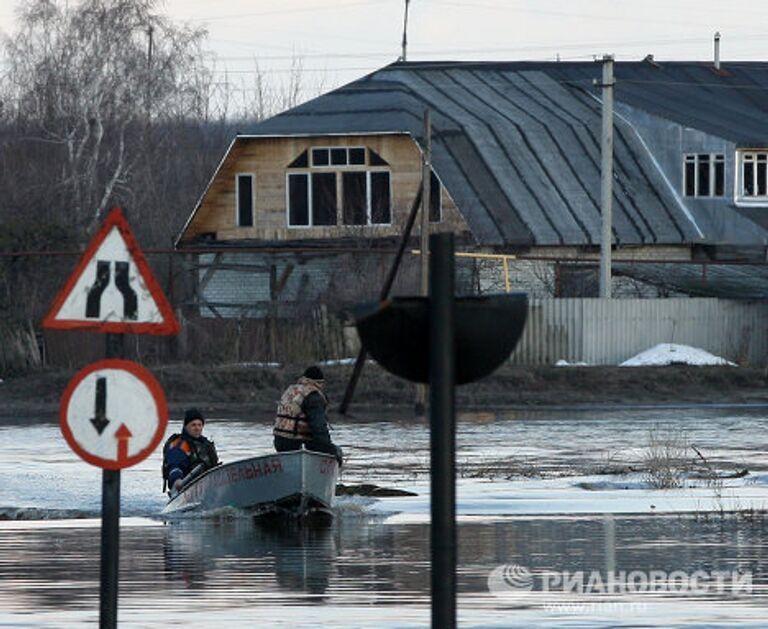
(122, 435)
(77, 410)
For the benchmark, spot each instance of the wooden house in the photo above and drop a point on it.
(516, 172)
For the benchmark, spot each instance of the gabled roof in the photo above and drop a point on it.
(517, 145)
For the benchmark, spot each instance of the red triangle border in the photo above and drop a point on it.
(168, 326)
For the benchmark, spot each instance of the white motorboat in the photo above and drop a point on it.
(299, 484)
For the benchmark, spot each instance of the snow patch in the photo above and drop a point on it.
(674, 354)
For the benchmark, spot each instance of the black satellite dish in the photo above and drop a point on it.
(486, 328)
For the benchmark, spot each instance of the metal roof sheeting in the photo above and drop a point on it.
(748, 281)
(517, 145)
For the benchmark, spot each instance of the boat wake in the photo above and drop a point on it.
(360, 506)
(343, 507)
(221, 513)
(38, 513)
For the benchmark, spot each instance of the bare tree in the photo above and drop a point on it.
(102, 103)
(262, 95)
(87, 80)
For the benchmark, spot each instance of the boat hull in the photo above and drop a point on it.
(297, 483)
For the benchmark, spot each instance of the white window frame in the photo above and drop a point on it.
(714, 158)
(338, 170)
(310, 216)
(311, 211)
(368, 199)
(253, 199)
(369, 219)
(739, 197)
(329, 166)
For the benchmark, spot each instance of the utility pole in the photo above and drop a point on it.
(404, 55)
(426, 180)
(606, 179)
(150, 43)
(717, 50)
(420, 404)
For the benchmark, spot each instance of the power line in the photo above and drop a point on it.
(606, 17)
(498, 50)
(305, 9)
(299, 56)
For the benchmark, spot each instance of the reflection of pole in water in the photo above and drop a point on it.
(609, 536)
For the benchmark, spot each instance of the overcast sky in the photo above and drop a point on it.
(340, 40)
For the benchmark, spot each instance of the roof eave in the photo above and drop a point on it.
(178, 238)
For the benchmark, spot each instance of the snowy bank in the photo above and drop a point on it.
(674, 354)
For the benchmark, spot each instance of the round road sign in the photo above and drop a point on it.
(113, 414)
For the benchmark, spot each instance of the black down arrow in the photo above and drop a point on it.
(100, 421)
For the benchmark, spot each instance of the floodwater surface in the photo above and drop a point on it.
(559, 526)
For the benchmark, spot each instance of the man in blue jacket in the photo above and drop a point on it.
(188, 452)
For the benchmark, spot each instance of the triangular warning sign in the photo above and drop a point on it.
(113, 289)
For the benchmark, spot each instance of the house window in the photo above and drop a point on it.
(380, 198)
(338, 156)
(341, 182)
(244, 195)
(298, 200)
(355, 191)
(704, 175)
(435, 200)
(577, 280)
(323, 198)
(366, 198)
(311, 199)
(301, 161)
(753, 176)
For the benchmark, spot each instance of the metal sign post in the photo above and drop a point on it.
(442, 423)
(110, 548)
(110, 503)
(113, 413)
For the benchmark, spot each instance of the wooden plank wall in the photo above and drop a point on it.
(267, 159)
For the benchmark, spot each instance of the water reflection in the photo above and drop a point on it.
(300, 558)
(367, 572)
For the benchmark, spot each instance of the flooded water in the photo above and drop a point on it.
(558, 527)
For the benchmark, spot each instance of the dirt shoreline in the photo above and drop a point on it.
(250, 392)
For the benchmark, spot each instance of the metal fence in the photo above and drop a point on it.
(608, 332)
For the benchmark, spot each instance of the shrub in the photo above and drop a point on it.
(666, 458)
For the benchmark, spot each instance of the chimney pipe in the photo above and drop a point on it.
(717, 50)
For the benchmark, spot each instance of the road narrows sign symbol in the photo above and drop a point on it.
(113, 413)
(113, 289)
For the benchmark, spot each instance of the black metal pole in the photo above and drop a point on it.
(110, 522)
(442, 430)
(384, 293)
(110, 547)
